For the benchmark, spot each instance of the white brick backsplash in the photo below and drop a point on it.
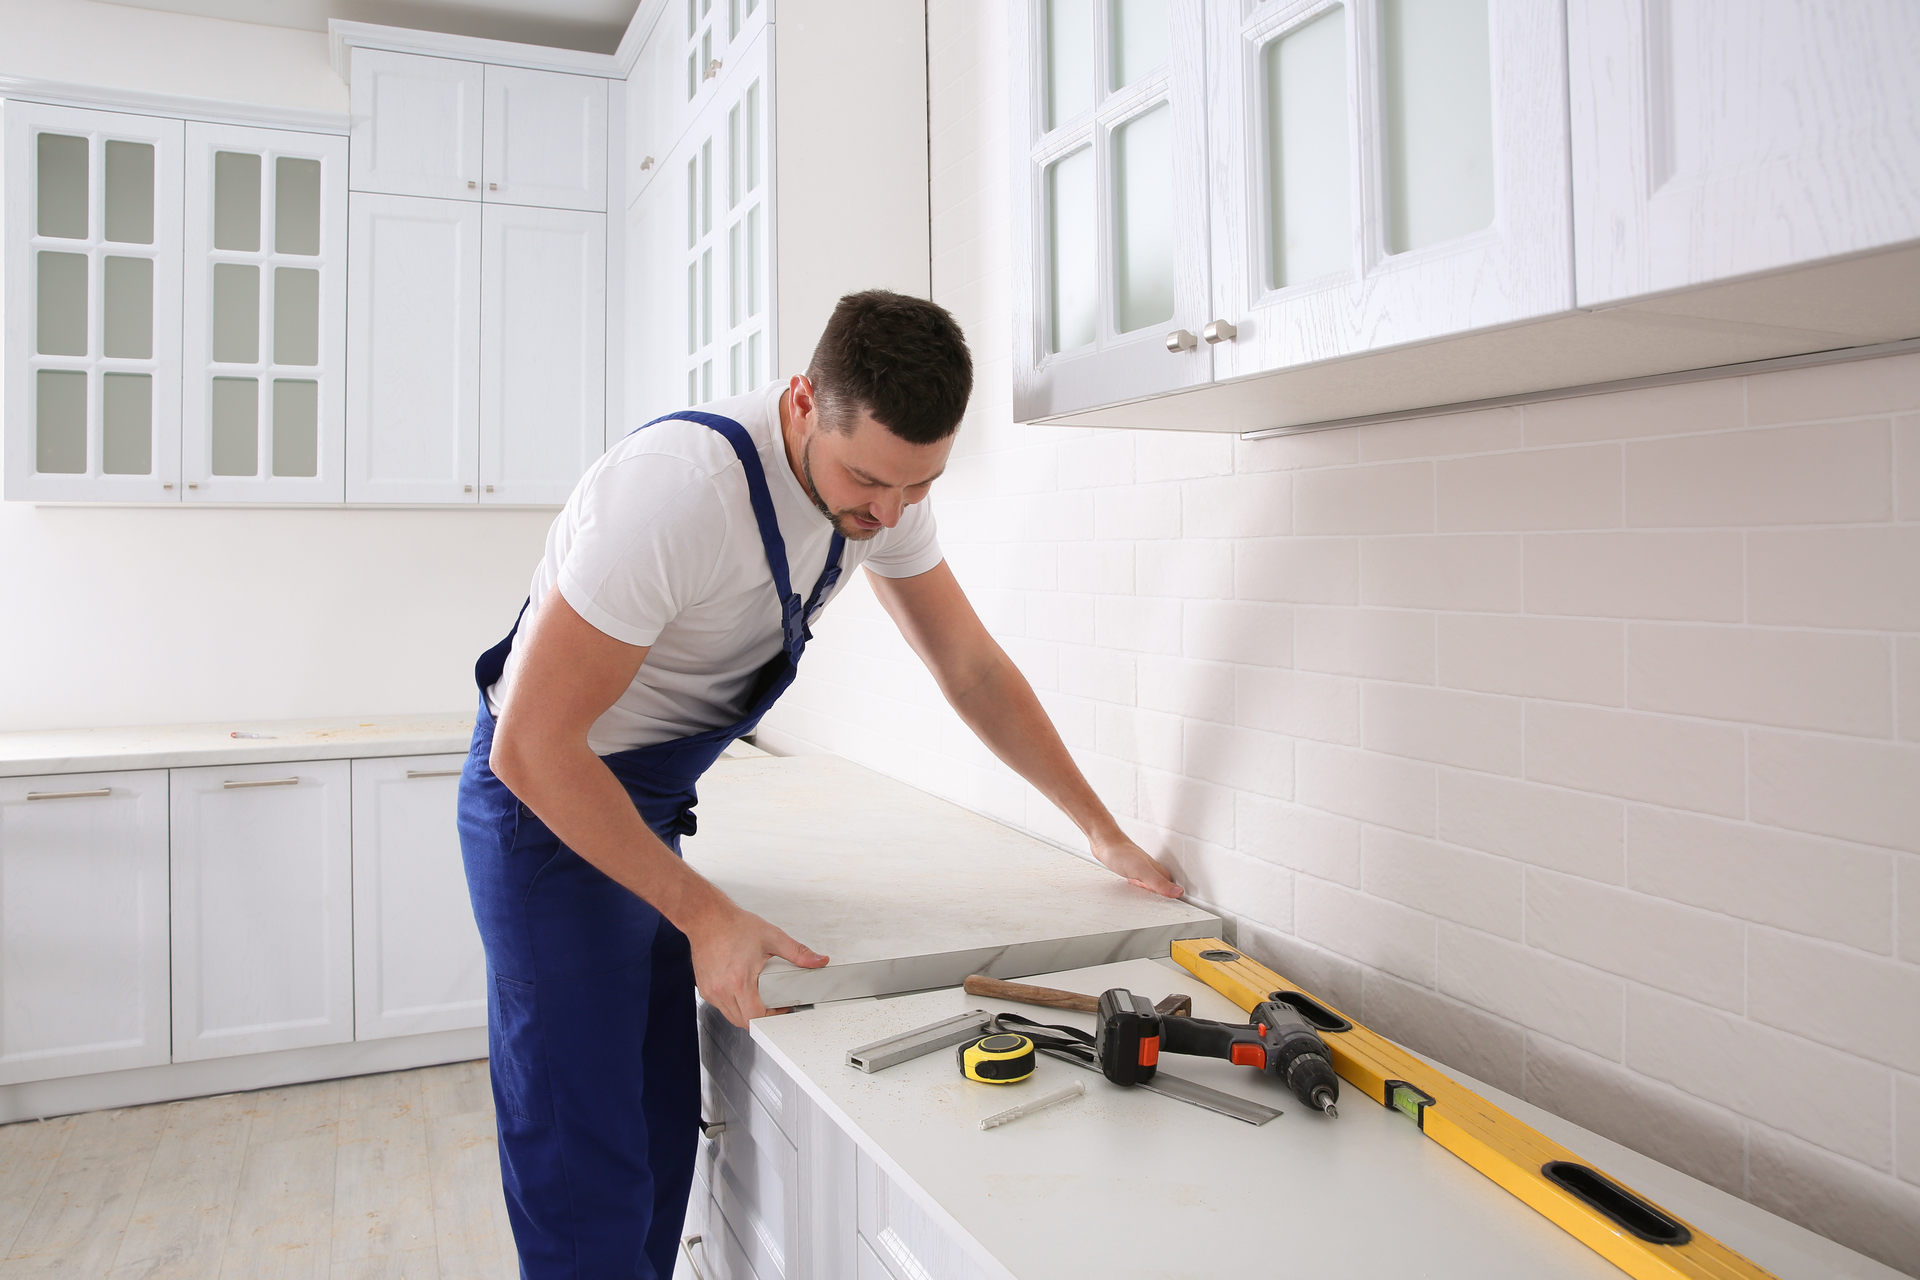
(1804, 883)
(1199, 568)
(1144, 624)
(1297, 570)
(1247, 631)
(1906, 1127)
(1906, 465)
(1863, 1004)
(1674, 1128)
(1865, 791)
(1393, 497)
(1150, 738)
(1238, 506)
(1680, 949)
(1451, 1033)
(1195, 691)
(1291, 835)
(993, 564)
(1475, 431)
(1386, 644)
(1301, 703)
(1825, 392)
(1182, 455)
(1297, 452)
(1831, 473)
(1684, 764)
(1232, 883)
(1568, 831)
(1575, 488)
(1137, 511)
(1907, 907)
(1471, 572)
(1861, 578)
(1564, 1000)
(1243, 759)
(1182, 804)
(1327, 976)
(1470, 730)
(1794, 679)
(1105, 568)
(1382, 934)
(1104, 675)
(1456, 884)
(1688, 407)
(1065, 616)
(1828, 1098)
(1564, 659)
(1358, 784)
(1682, 576)
(1872, 1212)
(1097, 459)
(1907, 680)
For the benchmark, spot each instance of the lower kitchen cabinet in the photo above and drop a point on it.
(262, 903)
(417, 961)
(83, 924)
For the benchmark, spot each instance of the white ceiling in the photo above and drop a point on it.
(592, 25)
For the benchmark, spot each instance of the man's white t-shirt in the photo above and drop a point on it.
(658, 546)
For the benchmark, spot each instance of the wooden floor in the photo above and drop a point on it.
(386, 1176)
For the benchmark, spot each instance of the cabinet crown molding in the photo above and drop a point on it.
(344, 37)
(93, 97)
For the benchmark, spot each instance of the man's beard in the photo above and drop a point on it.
(842, 522)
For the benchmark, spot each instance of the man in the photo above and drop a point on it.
(667, 614)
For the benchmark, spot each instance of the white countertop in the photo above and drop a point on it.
(179, 746)
(904, 891)
(1124, 1183)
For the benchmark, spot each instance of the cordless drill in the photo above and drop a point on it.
(1131, 1037)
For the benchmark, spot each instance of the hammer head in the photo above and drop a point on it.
(1175, 1006)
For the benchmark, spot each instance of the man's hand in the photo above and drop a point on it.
(730, 948)
(1123, 857)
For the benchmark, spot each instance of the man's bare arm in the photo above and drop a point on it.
(995, 700)
(569, 672)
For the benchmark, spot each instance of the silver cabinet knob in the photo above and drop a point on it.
(472, 185)
(713, 69)
(646, 164)
(712, 1128)
(493, 186)
(167, 485)
(193, 484)
(469, 488)
(1219, 331)
(489, 488)
(1181, 340)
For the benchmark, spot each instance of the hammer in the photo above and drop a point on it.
(1019, 992)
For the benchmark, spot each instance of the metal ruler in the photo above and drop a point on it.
(1621, 1225)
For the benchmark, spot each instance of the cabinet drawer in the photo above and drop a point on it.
(718, 1253)
(721, 1041)
(755, 1178)
(908, 1242)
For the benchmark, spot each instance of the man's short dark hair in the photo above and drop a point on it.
(903, 360)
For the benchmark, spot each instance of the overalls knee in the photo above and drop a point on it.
(594, 1053)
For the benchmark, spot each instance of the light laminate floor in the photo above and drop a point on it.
(386, 1176)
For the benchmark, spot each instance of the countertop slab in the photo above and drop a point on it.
(1128, 1184)
(904, 891)
(24, 753)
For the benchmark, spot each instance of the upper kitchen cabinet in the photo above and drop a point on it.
(1721, 138)
(678, 70)
(264, 360)
(427, 126)
(93, 215)
(1109, 188)
(1384, 172)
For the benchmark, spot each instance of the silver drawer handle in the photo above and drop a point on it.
(1219, 331)
(1181, 340)
(686, 1247)
(433, 773)
(712, 1128)
(263, 782)
(69, 795)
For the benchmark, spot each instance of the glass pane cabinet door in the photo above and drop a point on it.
(1396, 173)
(265, 316)
(1111, 277)
(93, 300)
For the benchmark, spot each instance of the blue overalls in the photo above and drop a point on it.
(594, 1052)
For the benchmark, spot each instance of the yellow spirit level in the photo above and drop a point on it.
(1618, 1223)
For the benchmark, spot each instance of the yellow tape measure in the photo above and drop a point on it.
(1001, 1058)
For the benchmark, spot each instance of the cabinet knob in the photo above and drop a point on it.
(712, 1128)
(193, 484)
(472, 185)
(1181, 340)
(469, 488)
(489, 488)
(493, 186)
(713, 69)
(167, 485)
(646, 164)
(1219, 331)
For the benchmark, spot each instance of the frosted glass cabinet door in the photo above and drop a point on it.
(413, 350)
(545, 139)
(1383, 172)
(264, 331)
(543, 351)
(83, 924)
(1723, 137)
(92, 305)
(262, 908)
(417, 962)
(1110, 193)
(416, 124)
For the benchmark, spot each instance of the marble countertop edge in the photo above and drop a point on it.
(29, 753)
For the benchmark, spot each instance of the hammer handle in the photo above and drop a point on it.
(1021, 993)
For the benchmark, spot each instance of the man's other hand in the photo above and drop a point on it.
(730, 948)
(1123, 857)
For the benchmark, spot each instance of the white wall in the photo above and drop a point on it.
(148, 616)
(1576, 745)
